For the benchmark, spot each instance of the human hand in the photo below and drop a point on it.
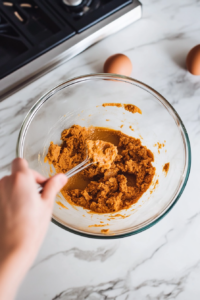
(24, 213)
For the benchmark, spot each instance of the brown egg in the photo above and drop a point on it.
(118, 64)
(193, 60)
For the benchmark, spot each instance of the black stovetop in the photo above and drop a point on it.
(29, 28)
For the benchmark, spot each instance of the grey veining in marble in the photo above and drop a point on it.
(164, 261)
(100, 254)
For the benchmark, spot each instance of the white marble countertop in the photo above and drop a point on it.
(164, 261)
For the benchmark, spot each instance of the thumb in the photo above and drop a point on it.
(53, 186)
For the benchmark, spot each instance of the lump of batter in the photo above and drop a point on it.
(96, 188)
(132, 108)
(101, 152)
(53, 153)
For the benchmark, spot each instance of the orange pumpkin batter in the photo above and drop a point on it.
(100, 189)
(101, 152)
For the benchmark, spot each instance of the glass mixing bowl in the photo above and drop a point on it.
(79, 101)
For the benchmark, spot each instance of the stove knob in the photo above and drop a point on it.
(72, 2)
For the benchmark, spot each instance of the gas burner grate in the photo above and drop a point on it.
(12, 44)
(32, 19)
(6, 29)
(27, 30)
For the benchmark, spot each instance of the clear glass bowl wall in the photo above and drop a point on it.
(79, 101)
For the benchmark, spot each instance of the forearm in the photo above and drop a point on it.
(12, 271)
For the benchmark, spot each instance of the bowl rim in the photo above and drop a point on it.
(31, 113)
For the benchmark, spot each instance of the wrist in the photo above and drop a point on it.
(12, 272)
(21, 254)
(13, 261)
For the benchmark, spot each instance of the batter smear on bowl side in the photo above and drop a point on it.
(103, 188)
(129, 107)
